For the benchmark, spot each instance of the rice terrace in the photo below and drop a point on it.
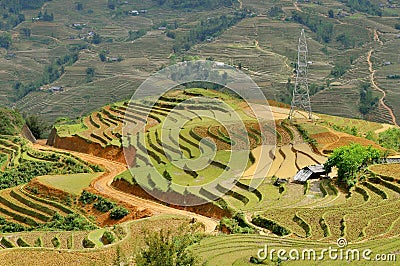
(199, 132)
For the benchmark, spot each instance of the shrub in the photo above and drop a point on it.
(107, 238)
(103, 205)
(38, 242)
(118, 213)
(306, 187)
(6, 243)
(87, 197)
(271, 225)
(165, 249)
(70, 241)
(56, 242)
(87, 243)
(22, 243)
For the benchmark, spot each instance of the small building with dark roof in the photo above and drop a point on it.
(310, 172)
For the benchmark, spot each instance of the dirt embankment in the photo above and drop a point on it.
(27, 133)
(76, 143)
(207, 209)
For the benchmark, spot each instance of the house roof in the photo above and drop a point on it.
(304, 174)
(317, 169)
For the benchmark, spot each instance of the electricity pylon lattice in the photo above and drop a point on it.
(301, 93)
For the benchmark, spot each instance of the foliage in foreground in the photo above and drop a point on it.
(11, 122)
(350, 160)
(390, 139)
(166, 249)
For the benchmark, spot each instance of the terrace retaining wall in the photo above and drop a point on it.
(79, 144)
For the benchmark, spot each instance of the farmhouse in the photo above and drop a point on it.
(310, 172)
(133, 12)
(56, 88)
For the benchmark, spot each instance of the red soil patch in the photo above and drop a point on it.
(325, 137)
(347, 140)
(207, 209)
(101, 218)
(76, 143)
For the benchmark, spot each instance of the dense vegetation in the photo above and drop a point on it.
(72, 222)
(367, 101)
(350, 160)
(164, 248)
(11, 122)
(390, 139)
(322, 27)
(9, 227)
(363, 6)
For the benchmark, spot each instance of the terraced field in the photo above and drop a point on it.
(22, 207)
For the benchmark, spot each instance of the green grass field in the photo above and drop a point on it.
(73, 183)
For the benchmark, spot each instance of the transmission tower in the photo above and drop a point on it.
(301, 93)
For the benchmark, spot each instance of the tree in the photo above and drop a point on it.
(163, 249)
(36, 125)
(118, 213)
(96, 38)
(79, 6)
(90, 73)
(390, 139)
(5, 40)
(331, 14)
(26, 32)
(349, 160)
(102, 56)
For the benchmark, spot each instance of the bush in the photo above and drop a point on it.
(271, 225)
(72, 222)
(118, 213)
(165, 249)
(56, 242)
(70, 241)
(87, 243)
(38, 242)
(107, 238)
(22, 243)
(87, 197)
(103, 205)
(6, 243)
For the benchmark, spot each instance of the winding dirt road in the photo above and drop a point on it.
(103, 186)
(382, 99)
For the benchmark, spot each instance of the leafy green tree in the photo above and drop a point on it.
(390, 139)
(90, 73)
(96, 38)
(164, 249)
(350, 159)
(11, 122)
(37, 125)
(79, 6)
(5, 40)
(118, 213)
(103, 56)
(331, 14)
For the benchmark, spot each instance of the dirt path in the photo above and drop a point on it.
(240, 4)
(376, 37)
(103, 185)
(297, 6)
(382, 99)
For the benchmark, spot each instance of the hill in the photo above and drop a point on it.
(249, 35)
